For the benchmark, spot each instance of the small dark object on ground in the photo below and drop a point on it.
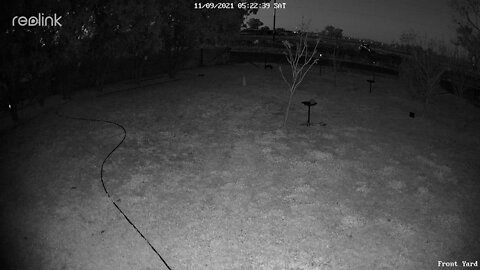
(268, 66)
(201, 75)
(412, 115)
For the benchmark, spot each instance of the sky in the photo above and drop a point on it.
(380, 20)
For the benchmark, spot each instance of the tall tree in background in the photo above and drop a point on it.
(72, 44)
(141, 31)
(97, 33)
(178, 31)
(458, 74)
(25, 55)
(221, 27)
(424, 67)
(105, 44)
(467, 17)
(333, 32)
(187, 28)
(468, 29)
(254, 23)
(336, 34)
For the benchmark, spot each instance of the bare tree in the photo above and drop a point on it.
(458, 74)
(468, 37)
(460, 77)
(424, 67)
(336, 34)
(299, 70)
(427, 71)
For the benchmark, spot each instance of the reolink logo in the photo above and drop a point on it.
(40, 20)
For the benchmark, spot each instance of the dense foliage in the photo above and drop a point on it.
(99, 32)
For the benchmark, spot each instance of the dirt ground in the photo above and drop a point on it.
(211, 180)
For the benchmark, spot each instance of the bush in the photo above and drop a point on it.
(423, 70)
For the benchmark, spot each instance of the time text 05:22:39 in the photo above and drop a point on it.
(231, 5)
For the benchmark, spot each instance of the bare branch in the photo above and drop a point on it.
(281, 72)
(467, 16)
(311, 56)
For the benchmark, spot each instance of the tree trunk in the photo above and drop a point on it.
(139, 63)
(466, 116)
(135, 67)
(287, 111)
(426, 101)
(66, 82)
(43, 88)
(201, 57)
(335, 66)
(171, 59)
(103, 68)
(142, 68)
(171, 65)
(98, 77)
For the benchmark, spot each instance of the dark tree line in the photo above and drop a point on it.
(467, 18)
(98, 33)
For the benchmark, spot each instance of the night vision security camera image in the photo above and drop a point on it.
(239, 135)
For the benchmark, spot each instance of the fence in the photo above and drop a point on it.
(66, 78)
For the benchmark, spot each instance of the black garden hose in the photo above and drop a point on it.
(103, 182)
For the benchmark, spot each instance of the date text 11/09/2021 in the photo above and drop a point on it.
(231, 5)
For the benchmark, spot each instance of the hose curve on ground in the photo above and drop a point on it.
(103, 182)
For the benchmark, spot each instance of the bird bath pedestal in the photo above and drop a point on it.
(309, 103)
